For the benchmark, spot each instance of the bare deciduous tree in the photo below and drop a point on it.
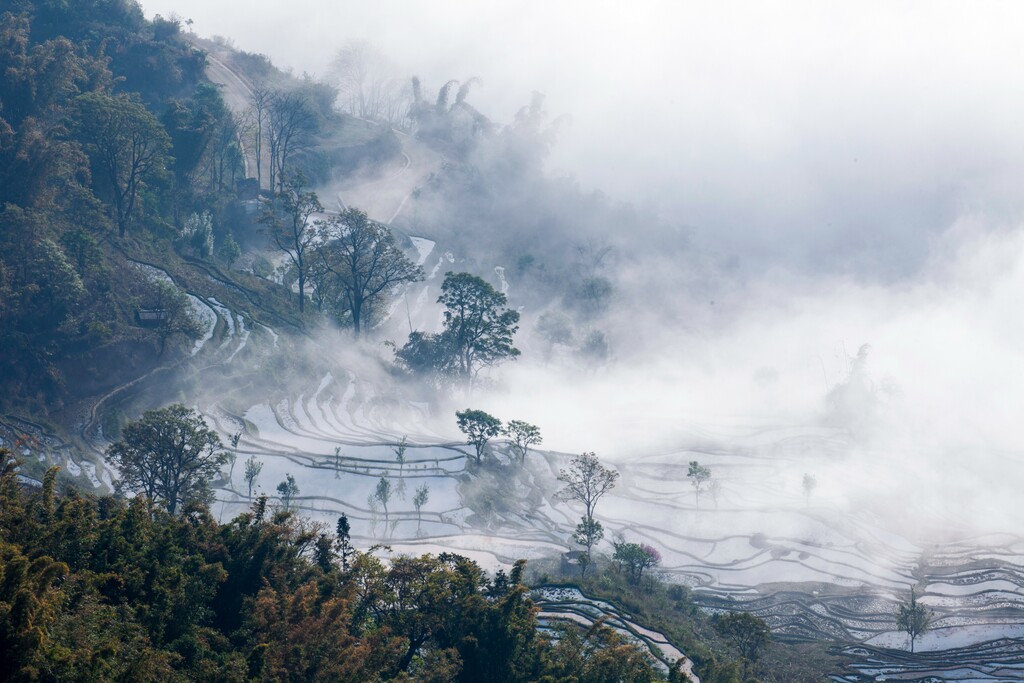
(369, 85)
(586, 481)
(293, 233)
(291, 122)
(256, 124)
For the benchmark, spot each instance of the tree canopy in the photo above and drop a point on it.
(477, 323)
(362, 264)
(168, 455)
(745, 631)
(522, 436)
(477, 333)
(636, 558)
(126, 145)
(479, 428)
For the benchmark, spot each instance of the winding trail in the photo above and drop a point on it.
(237, 93)
(382, 192)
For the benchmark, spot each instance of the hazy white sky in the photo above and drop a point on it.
(821, 134)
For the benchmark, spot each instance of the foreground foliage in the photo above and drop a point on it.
(95, 589)
(733, 647)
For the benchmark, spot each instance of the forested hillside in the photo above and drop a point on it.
(115, 151)
(109, 140)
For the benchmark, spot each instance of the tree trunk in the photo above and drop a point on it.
(122, 222)
(357, 316)
(414, 646)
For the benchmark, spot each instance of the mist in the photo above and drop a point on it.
(847, 176)
(935, 425)
(820, 138)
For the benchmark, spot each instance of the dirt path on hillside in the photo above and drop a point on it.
(237, 94)
(383, 191)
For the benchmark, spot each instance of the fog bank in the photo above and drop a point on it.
(822, 137)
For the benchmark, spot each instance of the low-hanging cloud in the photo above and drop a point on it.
(937, 432)
(853, 171)
(812, 135)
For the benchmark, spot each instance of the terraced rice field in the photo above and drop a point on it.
(814, 568)
(829, 565)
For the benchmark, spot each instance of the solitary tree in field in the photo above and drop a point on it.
(478, 331)
(168, 455)
(699, 475)
(479, 428)
(586, 481)
(419, 500)
(522, 436)
(809, 482)
(383, 496)
(913, 618)
(253, 467)
(478, 325)
(288, 489)
(399, 450)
